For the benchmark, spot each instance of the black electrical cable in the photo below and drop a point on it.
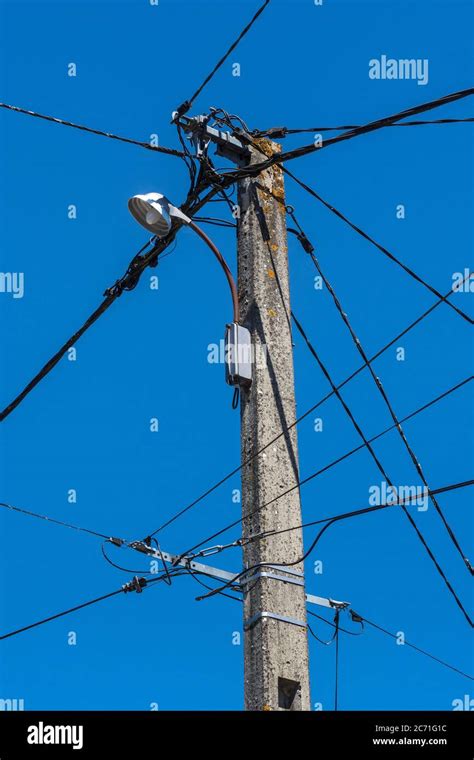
(61, 614)
(156, 148)
(214, 179)
(188, 158)
(327, 467)
(315, 636)
(367, 237)
(358, 617)
(214, 221)
(345, 318)
(381, 468)
(360, 620)
(353, 513)
(165, 566)
(110, 297)
(209, 588)
(281, 132)
(53, 520)
(299, 419)
(228, 118)
(345, 515)
(120, 567)
(127, 282)
(380, 247)
(184, 107)
(124, 589)
(329, 522)
(364, 129)
(343, 630)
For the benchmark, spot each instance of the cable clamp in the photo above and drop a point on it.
(274, 132)
(142, 547)
(181, 110)
(272, 616)
(137, 584)
(338, 605)
(211, 550)
(307, 245)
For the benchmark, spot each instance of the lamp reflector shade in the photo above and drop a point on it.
(152, 212)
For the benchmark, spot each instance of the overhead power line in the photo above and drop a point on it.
(137, 585)
(333, 625)
(53, 520)
(148, 146)
(352, 513)
(367, 237)
(127, 282)
(308, 552)
(380, 247)
(356, 617)
(111, 295)
(324, 469)
(382, 469)
(278, 133)
(299, 419)
(61, 614)
(305, 150)
(184, 107)
(345, 318)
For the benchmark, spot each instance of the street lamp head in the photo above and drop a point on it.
(153, 211)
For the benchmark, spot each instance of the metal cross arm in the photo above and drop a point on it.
(228, 146)
(273, 572)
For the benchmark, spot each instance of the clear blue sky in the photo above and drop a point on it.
(87, 426)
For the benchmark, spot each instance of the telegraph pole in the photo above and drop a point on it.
(276, 645)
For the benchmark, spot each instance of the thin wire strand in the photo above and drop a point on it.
(380, 247)
(367, 237)
(327, 467)
(281, 132)
(382, 470)
(184, 107)
(328, 622)
(331, 521)
(52, 520)
(299, 419)
(362, 130)
(60, 614)
(125, 588)
(127, 282)
(345, 318)
(412, 646)
(148, 146)
(120, 567)
(353, 513)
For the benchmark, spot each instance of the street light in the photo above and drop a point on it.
(155, 213)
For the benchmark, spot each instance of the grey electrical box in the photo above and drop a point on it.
(238, 355)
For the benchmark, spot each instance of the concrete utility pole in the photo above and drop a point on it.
(276, 646)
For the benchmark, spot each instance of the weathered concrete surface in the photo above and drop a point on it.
(273, 650)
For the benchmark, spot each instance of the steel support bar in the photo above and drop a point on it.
(293, 577)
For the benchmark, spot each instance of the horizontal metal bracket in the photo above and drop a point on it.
(227, 145)
(323, 602)
(288, 570)
(291, 575)
(274, 577)
(198, 567)
(272, 616)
